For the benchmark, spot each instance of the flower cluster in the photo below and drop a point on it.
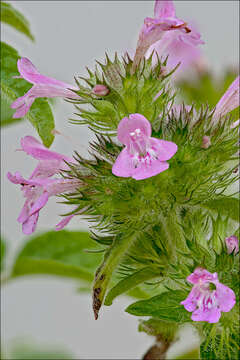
(141, 155)
(41, 184)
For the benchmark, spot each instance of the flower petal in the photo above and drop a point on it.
(226, 297)
(124, 165)
(203, 275)
(37, 150)
(130, 124)
(163, 149)
(39, 203)
(190, 303)
(229, 101)
(164, 8)
(30, 73)
(29, 226)
(144, 171)
(210, 315)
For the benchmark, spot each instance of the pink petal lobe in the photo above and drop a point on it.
(37, 150)
(39, 203)
(64, 222)
(226, 297)
(29, 226)
(30, 73)
(123, 165)
(164, 8)
(128, 125)
(212, 315)
(24, 214)
(229, 101)
(163, 149)
(144, 171)
(190, 302)
(27, 69)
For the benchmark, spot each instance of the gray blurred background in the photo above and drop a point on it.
(69, 36)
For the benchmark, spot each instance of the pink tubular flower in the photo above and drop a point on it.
(40, 186)
(43, 86)
(229, 101)
(178, 51)
(164, 21)
(143, 156)
(232, 244)
(206, 304)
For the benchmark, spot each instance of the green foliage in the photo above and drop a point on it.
(130, 282)
(14, 18)
(7, 113)
(165, 306)
(128, 93)
(226, 205)
(221, 342)
(58, 253)
(40, 115)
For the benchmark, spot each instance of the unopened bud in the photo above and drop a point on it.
(100, 90)
(206, 142)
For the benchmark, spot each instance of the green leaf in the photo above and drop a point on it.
(14, 18)
(224, 205)
(58, 253)
(7, 113)
(165, 306)
(104, 273)
(40, 114)
(130, 282)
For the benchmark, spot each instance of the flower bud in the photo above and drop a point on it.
(206, 142)
(100, 90)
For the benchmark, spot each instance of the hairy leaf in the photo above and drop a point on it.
(104, 273)
(165, 306)
(58, 253)
(14, 18)
(130, 282)
(40, 114)
(225, 206)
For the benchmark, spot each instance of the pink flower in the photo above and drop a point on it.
(43, 86)
(164, 21)
(229, 101)
(178, 51)
(40, 186)
(232, 244)
(143, 155)
(204, 303)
